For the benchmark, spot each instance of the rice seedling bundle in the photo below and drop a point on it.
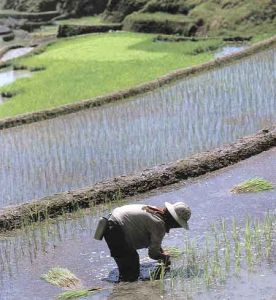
(253, 185)
(62, 277)
(173, 251)
(76, 293)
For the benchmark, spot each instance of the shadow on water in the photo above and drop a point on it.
(193, 115)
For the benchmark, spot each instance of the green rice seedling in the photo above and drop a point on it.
(268, 229)
(62, 277)
(158, 272)
(237, 248)
(257, 239)
(253, 185)
(227, 246)
(173, 251)
(248, 243)
(77, 293)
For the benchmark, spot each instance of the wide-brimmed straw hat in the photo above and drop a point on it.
(181, 212)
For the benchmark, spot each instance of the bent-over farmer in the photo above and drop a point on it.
(137, 226)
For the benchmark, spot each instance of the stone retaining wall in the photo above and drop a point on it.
(146, 87)
(162, 175)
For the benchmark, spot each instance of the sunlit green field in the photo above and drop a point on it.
(88, 66)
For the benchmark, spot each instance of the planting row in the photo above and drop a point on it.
(196, 114)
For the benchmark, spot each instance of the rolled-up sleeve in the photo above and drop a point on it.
(157, 234)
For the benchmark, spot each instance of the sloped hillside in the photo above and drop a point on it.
(194, 17)
(73, 7)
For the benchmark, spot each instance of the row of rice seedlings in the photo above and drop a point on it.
(37, 238)
(225, 253)
(198, 90)
(253, 185)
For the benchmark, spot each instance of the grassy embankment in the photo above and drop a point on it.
(53, 29)
(88, 66)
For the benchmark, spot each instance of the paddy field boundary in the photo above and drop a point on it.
(16, 216)
(28, 118)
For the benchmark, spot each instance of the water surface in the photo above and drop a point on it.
(15, 53)
(174, 122)
(9, 76)
(68, 243)
(228, 50)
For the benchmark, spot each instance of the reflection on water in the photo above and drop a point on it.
(174, 122)
(14, 53)
(68, 242)
(227, 50)
(9, 76)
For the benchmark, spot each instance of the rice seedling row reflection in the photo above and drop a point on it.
(35, 238)
(174, 122)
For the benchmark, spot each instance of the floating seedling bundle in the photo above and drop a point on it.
(253, 185)
(76, 293)
(64, 278)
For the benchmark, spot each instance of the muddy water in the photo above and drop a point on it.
(69, 243)
(15, 53)
(191, 116)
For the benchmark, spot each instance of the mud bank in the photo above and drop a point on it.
(124, 186)
(140, 89)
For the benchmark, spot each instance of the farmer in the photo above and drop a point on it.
(137, 226)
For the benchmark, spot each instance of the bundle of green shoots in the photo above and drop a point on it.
(63, 278)
(160, 270)
(173, 251)
(253, 185)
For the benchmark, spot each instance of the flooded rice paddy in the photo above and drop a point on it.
(15, 53)
(68, 243)
(8, 76)
(174, 122)
(228, 50)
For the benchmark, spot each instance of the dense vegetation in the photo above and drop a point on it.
(72, 7)
(195, 17)
(84, 67)
(187, 17)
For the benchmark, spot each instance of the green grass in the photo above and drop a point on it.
(160, 16)
(253, 185)
(85, 67)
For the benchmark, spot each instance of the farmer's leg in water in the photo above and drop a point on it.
(126, 258)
